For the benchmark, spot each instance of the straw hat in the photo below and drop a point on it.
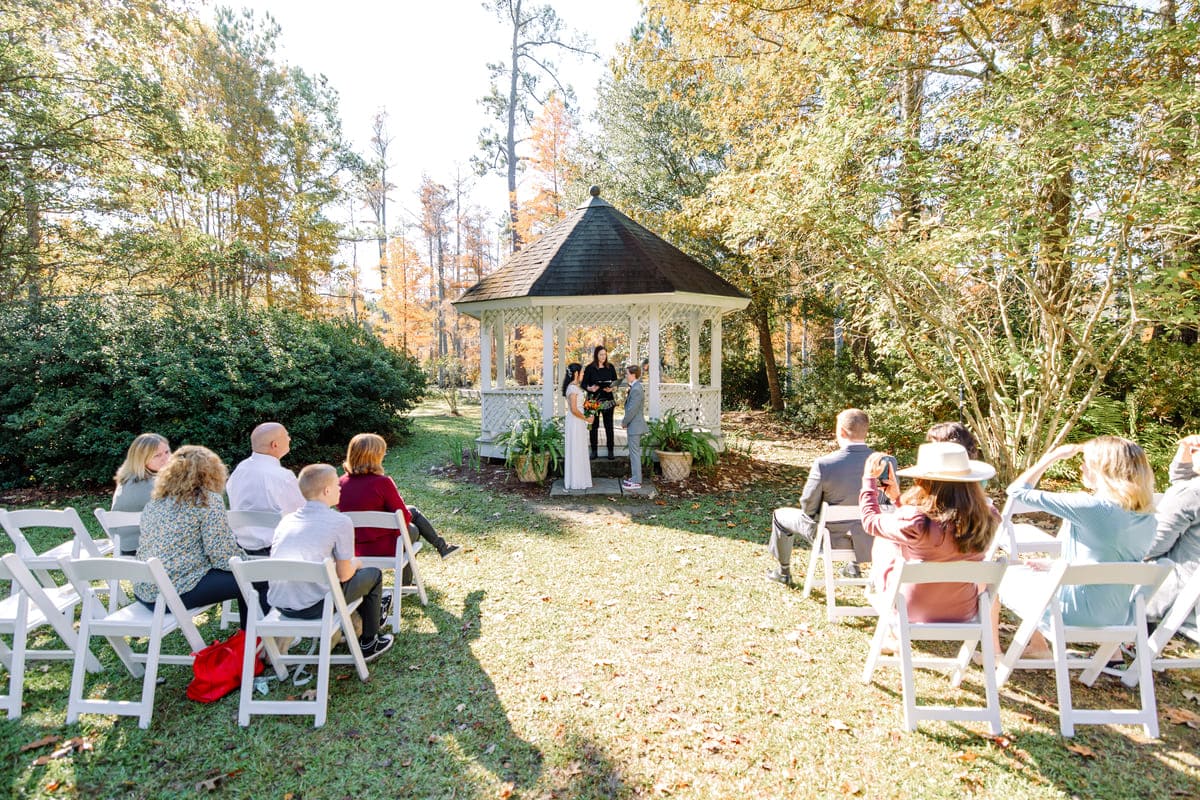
(947, 461)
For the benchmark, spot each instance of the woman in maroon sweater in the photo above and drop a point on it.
(366, 488)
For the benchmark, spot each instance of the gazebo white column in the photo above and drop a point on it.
(715, 356)
(548, 361)
(694, 350)
(655, 362)
(500, 331)
(633, 336)
(486, 333)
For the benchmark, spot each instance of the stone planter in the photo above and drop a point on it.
(532, 468)
(675, 466)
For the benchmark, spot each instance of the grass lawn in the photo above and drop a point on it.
(607, 648)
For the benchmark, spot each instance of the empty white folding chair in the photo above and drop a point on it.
(1181, 618)
(406, 552)
(80, 545)
(91, 576)
(1015, 538)
(973, 633)
(1143, 580)
(110, 521)
(825, 556)
(31, 606)
(336, 616)
(246, 519)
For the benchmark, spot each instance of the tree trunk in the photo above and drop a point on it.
(762, 323)
(510, 141)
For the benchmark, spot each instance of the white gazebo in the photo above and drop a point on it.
(598, 270)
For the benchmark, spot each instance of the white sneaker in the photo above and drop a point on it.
(630, 485)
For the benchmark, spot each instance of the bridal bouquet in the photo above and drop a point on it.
(591, 408)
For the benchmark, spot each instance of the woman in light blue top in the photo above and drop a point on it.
(1113, 521)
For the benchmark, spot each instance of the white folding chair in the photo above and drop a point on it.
(1015, 538)
(336, 616)
(972, 633)
(80, 545)
(111, 520)
(91, 576)
(823, 554)
(406, 555)
(31, 606)
(246, 519)
(1181, 618)
(1143, 579)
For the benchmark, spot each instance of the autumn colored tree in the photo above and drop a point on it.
(550, 169)
(536, 34)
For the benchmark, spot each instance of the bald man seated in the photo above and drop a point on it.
(261, 483)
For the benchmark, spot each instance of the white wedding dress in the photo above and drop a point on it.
(577, 469)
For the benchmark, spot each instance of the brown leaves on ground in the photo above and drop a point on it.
(76, 744)
(1181, 716)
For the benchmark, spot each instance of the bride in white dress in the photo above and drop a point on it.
(577, 469)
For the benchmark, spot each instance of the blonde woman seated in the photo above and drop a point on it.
(945, 516)
(1112, 521)
(135, 483)
(185, 526)
(365, 487)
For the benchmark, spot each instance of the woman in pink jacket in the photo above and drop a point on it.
(945, 516)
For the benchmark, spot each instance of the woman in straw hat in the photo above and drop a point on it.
(1112, 521)
(945, 516)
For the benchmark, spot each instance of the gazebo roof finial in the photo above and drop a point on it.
(594, 191)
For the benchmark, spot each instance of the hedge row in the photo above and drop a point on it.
(80, 379)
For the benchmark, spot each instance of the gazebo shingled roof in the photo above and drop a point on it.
(597, 250)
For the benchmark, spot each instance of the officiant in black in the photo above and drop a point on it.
(600, 380)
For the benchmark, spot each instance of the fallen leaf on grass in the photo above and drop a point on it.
(963, 755)
(838, 725)
(52, 786)
(1182, 716)
(42, 742)
(851, 789)
(1193, 696)
(506, 791)
(1002, 742)
(76, 744)
(1082, 750)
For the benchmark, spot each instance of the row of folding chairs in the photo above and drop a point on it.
(36, 601)
(1143, 580)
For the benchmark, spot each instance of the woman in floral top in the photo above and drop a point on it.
(185, 526)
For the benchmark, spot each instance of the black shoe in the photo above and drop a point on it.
(377, 647)
(610, 457)
(385, 603)
(450, 550)
(851, 570)
(780, 575)
(594, 456)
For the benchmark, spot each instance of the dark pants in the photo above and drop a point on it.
(607, 415)
(217, 586)
(425, 528)
(367, 583)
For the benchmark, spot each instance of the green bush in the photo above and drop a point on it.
(82, 378)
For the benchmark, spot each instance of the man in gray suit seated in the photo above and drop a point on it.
(834, 479)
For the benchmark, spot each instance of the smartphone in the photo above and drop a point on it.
(887, 476)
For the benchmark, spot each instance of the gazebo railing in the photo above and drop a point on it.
(500, 408)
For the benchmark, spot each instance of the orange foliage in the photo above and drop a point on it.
(549, 169)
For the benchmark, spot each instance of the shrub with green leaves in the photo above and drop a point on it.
(82, 378)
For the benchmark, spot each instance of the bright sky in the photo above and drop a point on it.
(425, 61)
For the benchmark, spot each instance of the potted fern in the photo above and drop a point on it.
(677, 446)
(532, 445)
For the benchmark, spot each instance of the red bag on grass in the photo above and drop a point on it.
(217, 669)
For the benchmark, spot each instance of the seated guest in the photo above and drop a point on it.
(833, 479)
(184, 525)
(954, 432)
(1112, 521)
(261, 483)
(135, 481)
(1177, 539)
(314, 533)
(366, 488)
(945, 516)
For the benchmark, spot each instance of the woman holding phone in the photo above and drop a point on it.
(945, 516)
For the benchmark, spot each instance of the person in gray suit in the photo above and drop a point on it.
(1177, 539)
(634, 424)
(834, 479)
